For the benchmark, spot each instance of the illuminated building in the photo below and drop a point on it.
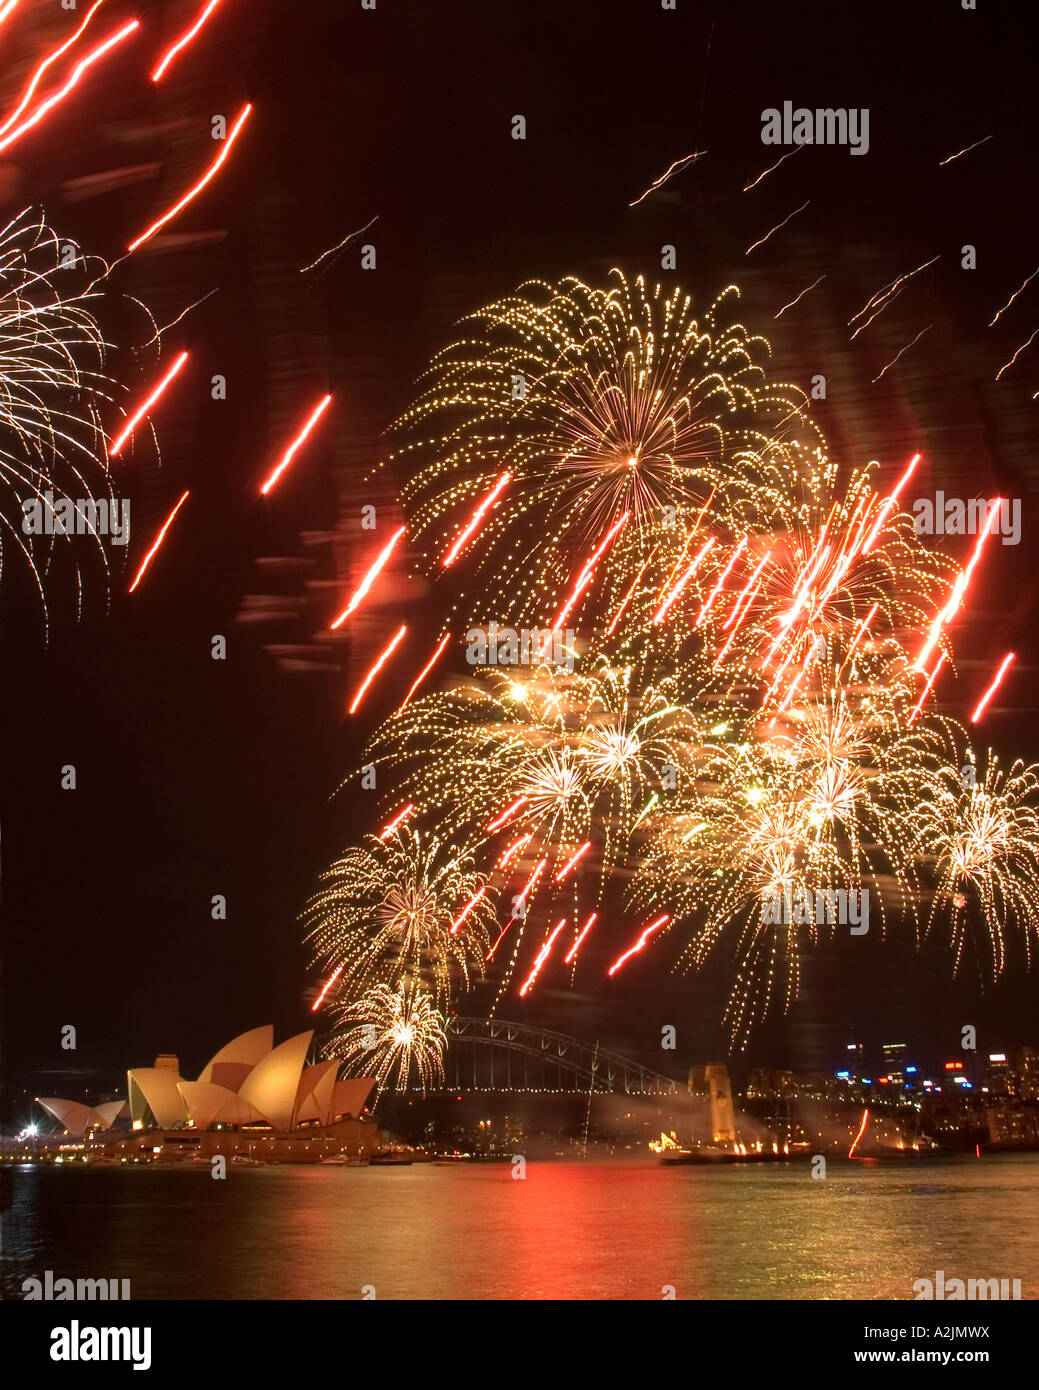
(251, 1099)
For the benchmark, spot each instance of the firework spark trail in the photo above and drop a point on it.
(6, 9)
(477, 897)
(628, 596)
(706, 605)
(675, 168)
(139, 414)
(518, 909)
(572, 861)
(891, 502)
(542, 956)
(325, 988)
(996, 682)
(799, 297)
(899, 353)
(959, 589)
(776, 228)
(771, 169)
(580, 937)
(966, 150)
(860, 631)
(290, 454)
(928, 685)
(195, 189)
(661, 612)
(585, 577)
(746, 589)
(374, 570)
(77, 72)
(633, 950)
(499, 821)
(1010, 301)
(157, 542)
(862, 1130)
(384, 656)
(475, 520)
(182, 315)
(51, 58)
(513, 849)
(1017, 354)
(401, 815)
(883, 297)
(426, 669)
(531, 884)
(184, 40)
(337, 247)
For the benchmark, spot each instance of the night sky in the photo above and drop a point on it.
(197, 777)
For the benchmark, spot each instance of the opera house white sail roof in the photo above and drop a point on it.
(249, 1081)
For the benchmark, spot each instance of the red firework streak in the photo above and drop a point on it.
(157, 542)
(573, 860)
(659, 615)
(380, 661)
(369, 579)
(294, 447)
(327, 986)
(401, 815)
(49, 61)
(585, 577)
(705, 608)
(891, 502)
(862, 1130)
(426, 669)
(513, 850)
(926, 690)
(467, 909)
(184, 40)
(959, 590)
(542, 956)
(519, 904)
(580, 937)
(77, 72)
(138, 415)
(860, 631)
(500, 820)
(170, 213)
(646, 934)
(992, 688)
(477, 517)
(628, 595)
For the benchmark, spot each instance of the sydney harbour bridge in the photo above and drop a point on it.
(493, 1054)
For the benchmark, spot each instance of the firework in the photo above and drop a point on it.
(386, 910)
(977, 832)
(566, 408)
(740, 745)
(196, 188)
(392, 1032)
(53, 453)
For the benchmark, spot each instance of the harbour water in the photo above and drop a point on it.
(568, 1230)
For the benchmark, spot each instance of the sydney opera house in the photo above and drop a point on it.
(251, 1100)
